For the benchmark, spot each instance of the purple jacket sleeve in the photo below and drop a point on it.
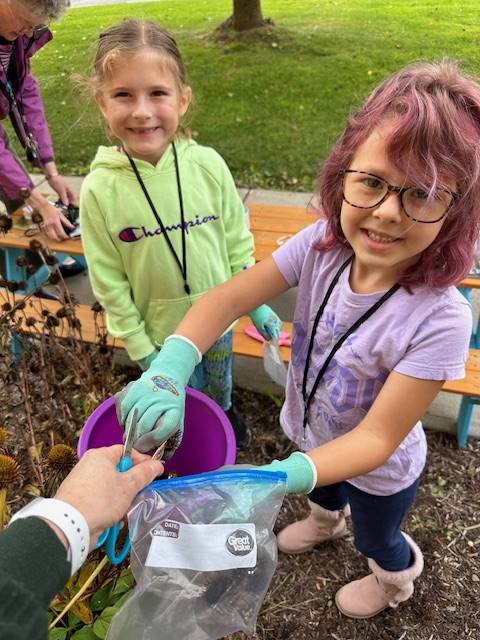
(12, 174)
(35, 115)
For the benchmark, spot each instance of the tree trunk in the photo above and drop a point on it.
(247, 14)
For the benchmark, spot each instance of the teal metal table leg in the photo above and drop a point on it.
(464, 418)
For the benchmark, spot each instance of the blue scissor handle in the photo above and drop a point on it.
(109, 536)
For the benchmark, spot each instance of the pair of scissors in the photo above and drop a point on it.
(109, 537)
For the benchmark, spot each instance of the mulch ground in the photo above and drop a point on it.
(300, 602)
(445, 523)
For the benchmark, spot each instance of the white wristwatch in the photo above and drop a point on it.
(68, 519)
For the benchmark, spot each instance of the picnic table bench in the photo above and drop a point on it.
(271, 226)
(243, 345)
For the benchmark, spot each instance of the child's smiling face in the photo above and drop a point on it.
(384, 239)
(142, 103)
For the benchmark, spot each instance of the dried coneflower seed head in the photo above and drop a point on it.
(35, 245)
(37, 217)
(96, 307)
(54, 278)
(6, 306)
(9, 470)
(21, 261)
(30, 321)
(52, 321)
(50, 259)
(13, 286)
(61, 457)
(5, 223)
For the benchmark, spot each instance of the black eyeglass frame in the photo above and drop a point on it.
(400, 190)
(39, 30)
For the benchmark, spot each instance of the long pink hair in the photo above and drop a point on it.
(435, 138)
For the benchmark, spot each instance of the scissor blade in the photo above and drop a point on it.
(130, 433)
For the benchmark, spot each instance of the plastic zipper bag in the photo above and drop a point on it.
(203, 555)
(273, 363)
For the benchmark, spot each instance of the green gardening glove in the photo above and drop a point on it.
(144, 363)
(266, 321)
(300, 470)
(159, 394)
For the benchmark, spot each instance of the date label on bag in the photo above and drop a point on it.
(202, 547)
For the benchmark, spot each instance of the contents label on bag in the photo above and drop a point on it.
(202, 547)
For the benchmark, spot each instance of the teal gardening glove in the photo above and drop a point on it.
(159, 394)
(300, 470)
(144, 363)
(266, 321)
(301, 477)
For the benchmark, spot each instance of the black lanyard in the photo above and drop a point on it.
(183, 264)
(307, 398)
(17, 116)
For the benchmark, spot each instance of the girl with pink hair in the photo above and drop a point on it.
(379, 324)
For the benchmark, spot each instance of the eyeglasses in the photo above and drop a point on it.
(39, 30)
(366, 190)
(27, 22)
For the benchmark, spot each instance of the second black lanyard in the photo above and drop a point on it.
(308, 398)
(182, 265)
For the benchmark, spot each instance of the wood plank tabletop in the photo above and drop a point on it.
(271, 226)
(471, 282)
(17, 239)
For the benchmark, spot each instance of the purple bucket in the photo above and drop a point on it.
(208, 440)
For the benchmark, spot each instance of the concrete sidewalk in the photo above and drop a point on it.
(249, 372)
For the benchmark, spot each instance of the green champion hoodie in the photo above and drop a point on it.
(133, 273)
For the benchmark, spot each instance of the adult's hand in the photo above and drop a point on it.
(101, 493)
(66, 195)
(58, 184)
(52, 216)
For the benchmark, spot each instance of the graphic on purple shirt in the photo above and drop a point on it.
(424, 334)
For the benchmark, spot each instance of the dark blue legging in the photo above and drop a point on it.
(376, 520)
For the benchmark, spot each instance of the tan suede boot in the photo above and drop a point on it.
(319, 526)
(381, 589)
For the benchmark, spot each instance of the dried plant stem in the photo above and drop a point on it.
(3, 504)
(80, 593)
(13, 310)
(37, 469)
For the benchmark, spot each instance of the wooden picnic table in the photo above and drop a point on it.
(271, 226)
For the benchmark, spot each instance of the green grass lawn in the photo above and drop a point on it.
(271, 105)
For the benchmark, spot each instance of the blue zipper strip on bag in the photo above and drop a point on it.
(218, 477)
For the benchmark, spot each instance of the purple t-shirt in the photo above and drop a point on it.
(424, 335)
